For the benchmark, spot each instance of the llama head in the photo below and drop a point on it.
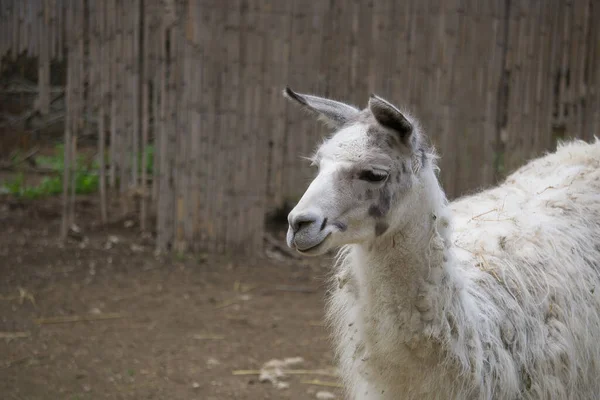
(366, 172)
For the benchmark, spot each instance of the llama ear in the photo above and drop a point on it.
(332, 112)
(389, 116)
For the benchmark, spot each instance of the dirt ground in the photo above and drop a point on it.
(173, 328)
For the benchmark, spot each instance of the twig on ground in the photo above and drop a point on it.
(246, 372)
(321, 372)
(318, 382)
(14, 335)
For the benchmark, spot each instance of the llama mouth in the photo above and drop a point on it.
(313, 250)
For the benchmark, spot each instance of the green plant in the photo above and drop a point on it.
(14, 185)
(86, 177)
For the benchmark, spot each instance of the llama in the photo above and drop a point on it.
(492, 296)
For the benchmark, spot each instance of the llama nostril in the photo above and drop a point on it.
(302, 221)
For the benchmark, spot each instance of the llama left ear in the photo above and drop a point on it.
(389, 116)
(333, 113)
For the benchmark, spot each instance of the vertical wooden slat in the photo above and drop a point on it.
(278, 56)
(205, 121)
(144, 7)
(67, 152)
(113, 90)
(126, 112)
(231, 128)
(166, 201)
(44, 29)
(135, 55)
(181, 166)
(103, 78)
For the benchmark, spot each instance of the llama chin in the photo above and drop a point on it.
(492, 296)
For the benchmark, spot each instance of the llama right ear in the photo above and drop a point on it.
(333, 113)
(388, 115)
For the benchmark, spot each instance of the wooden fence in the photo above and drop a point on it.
(494, 82)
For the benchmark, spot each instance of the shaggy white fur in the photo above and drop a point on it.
(493, 296)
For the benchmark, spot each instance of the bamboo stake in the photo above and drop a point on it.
(165, 212)
(195, 205)
(135, 54)
(229, 125)
(156, 114)
(126, 95)
(124, 99)
(60, 30)
(145, 117)
(44, 60)
(75, 64)
(103, 78)
(182, 140)
(15, 28)
(67, 151)
(113, 89)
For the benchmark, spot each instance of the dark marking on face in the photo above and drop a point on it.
(382, 138)
(398, 178)
(380, 228)
(404, 168)
(423, 158)
(375, 211)
(381, 208)
(324, 224)
(369, 194)
(340, 225)
(385, 199)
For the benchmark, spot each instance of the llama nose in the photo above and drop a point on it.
(299, 221)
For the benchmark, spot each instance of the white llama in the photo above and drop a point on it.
(493, 296)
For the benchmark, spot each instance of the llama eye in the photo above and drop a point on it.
(370, 176)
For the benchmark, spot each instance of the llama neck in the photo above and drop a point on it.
(405, 277)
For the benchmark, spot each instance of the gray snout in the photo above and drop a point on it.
(306, 230)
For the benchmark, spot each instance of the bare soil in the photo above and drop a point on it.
(179, 327)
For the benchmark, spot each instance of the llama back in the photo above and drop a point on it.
(545, 199)
(531, 248)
